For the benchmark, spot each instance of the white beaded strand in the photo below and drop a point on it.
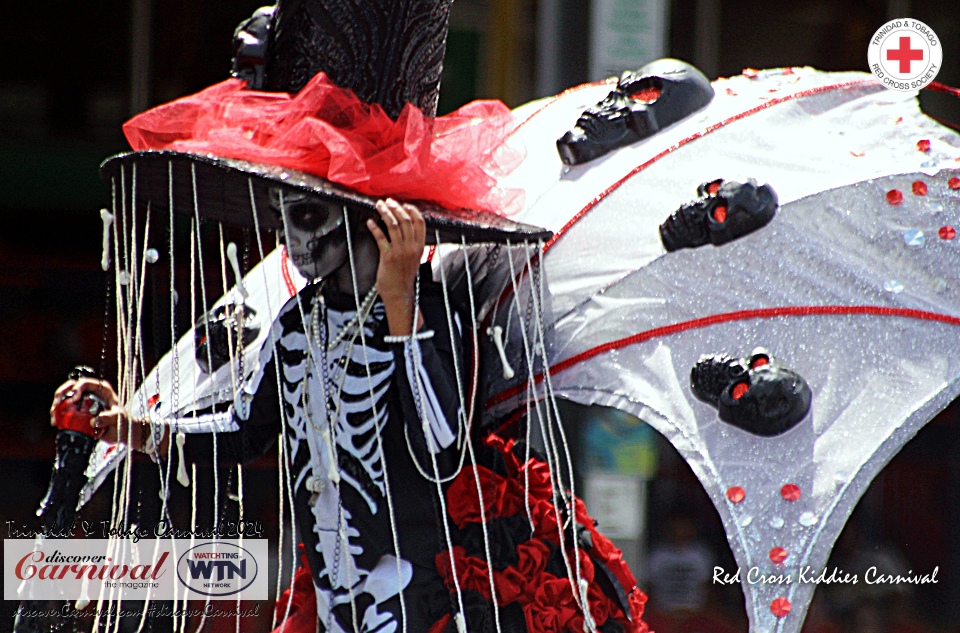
(283, 478)
(473, 459)
(394, 533)
(534, 401)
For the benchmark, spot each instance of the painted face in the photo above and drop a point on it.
(315, 234)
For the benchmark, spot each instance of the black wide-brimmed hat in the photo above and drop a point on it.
(388, 53)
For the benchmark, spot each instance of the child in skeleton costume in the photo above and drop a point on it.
(362, 370)
(355, 382)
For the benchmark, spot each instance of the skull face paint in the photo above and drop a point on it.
(644, 102)
(314, 232)
(756, 394)
(725, 211)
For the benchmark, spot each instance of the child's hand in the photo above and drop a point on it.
(400, 253)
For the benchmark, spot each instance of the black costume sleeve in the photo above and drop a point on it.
(255, 435)
(426, 382)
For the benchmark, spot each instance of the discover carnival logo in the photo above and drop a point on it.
(217, 569)
(134, 569)
(905, 54)
(58, 566)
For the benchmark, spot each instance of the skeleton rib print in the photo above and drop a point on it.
(332, 428)
(354, 410)
(346, 394)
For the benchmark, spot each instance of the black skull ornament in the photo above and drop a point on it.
(220, 333)
(756, 394)
(724, 211)
(250, 40)
(644, 102)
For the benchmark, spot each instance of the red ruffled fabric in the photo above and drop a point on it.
(324, 130)
(302, 617)
(548, 602)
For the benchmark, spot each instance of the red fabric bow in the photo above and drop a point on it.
(327, 131)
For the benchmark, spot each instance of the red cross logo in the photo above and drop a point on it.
(905, 55)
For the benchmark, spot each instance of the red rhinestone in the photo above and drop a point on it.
(780, 607)
(919, 188)
(152, 400)
(713, 187)
(923, 145)
(778, 555)
(752, 73)
(954, 183)
(720, 214)
(790, 492)
(947, 232)
(736, 494)
(894, 196)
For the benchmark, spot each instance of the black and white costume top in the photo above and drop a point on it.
(363, 423)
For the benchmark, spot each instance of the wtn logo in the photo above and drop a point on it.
(217, 569)
(225, 569)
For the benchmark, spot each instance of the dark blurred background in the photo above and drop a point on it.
(75, 71)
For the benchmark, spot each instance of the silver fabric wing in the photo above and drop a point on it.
(852, 285)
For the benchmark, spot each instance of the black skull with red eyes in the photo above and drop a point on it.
(756, 393)
(644, 102)
(724, 211)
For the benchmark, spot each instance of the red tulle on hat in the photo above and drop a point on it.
(452, 160)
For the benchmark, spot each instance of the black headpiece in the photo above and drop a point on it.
(388, 52)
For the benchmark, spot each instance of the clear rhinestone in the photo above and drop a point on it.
(894, 286)
(914, 237)
(124, 278)
(776, 522)
(152, 256)
(745, 521)
(807, 519)
(939, 285)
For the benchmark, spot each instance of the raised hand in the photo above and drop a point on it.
(401, 249)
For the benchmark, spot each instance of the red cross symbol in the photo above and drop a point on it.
(905, 54)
